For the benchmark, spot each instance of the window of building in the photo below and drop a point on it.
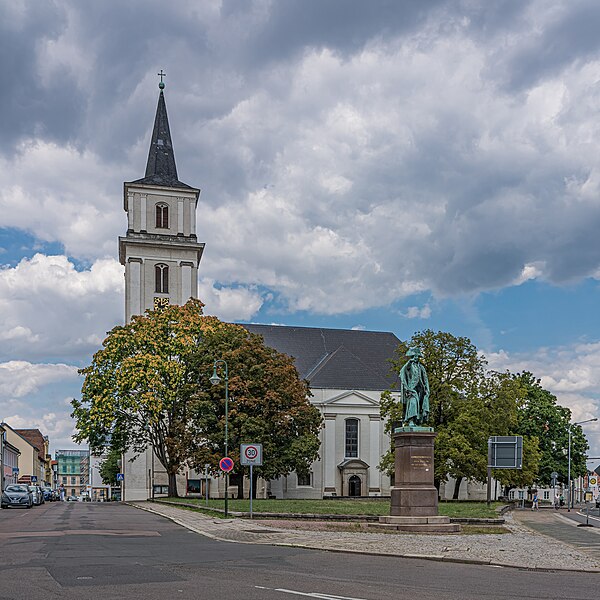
(161, 279)
(304, 479)
(521, 495)
(351, 446)
(162, 216)
(64, 480)
(72, 480)
(547, 495)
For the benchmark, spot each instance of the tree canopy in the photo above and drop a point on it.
(150, 383)
(469, 404)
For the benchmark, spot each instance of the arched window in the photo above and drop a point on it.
(162, 216)
(351, 446)
(161, 279)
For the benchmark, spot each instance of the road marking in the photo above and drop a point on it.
(316, 595)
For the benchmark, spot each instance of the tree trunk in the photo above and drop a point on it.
(173, 485)
(457, 488)
(240, 486)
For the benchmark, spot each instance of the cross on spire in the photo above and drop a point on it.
(161, 85)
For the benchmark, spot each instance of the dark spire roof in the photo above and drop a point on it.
(161, 169)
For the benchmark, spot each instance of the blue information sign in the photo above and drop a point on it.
(34, 479)
(120, 477)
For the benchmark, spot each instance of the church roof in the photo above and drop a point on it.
(335, 358)
(161, 169)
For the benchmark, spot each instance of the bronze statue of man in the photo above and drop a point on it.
(414, 390)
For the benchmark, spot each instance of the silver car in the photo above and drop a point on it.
(16, 494)
(37, 494)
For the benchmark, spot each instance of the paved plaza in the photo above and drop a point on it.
(538, 540)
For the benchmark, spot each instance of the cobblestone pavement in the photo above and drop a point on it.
(522, 548)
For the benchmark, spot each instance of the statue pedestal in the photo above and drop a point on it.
(414, 493)
(414, 496)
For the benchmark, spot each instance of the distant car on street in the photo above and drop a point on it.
(49, 494)
(16, 495)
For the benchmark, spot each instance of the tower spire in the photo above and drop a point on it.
(160, 168)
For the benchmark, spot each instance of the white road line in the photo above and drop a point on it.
(316, 595)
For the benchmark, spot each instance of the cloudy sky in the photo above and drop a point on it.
(387, 165)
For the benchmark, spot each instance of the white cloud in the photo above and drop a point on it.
(571, 373)
(51, 309)
(20, 378)
(414, 312)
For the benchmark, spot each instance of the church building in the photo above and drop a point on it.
(346, 369)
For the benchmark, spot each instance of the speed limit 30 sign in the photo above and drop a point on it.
(251, 454)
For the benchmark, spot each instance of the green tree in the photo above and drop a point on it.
(268, 404)
(467, 405)
(109, 466)
(138, 384)
(541, 416)
(149, 384)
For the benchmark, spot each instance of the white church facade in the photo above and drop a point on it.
(347, 370)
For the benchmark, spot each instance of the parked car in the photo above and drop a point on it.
(37, 494)
(48, 494)
(16, 494)
(71, 498)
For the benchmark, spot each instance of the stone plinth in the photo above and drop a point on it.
(414, 493)
(432, 524)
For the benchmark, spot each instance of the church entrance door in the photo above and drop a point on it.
(354, 486)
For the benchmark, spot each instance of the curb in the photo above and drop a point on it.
(322, 517)
(432, 557)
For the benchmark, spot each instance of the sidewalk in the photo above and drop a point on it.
(523, 548)
(557, 525)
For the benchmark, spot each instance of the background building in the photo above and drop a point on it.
(30, 463)
(73, 470)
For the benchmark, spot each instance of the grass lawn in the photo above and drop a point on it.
(340, 507)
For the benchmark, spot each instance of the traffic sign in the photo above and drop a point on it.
(34, 479)
(593, 481)
(251, 454)
(15, 470)
(120, 477)
(226, 464)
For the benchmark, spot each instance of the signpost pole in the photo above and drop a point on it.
(489, 473)
(206, 483)
(251, 479)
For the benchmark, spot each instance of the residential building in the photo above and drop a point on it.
(73, 471)
(31, 466)
(9, 459)
(36, 438)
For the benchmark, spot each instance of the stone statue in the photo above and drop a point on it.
(414, 387)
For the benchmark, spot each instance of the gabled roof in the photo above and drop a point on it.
(35, 437)
(160, 168)
(335, 358)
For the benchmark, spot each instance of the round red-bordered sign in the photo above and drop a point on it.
(251, 452)
(226, 464)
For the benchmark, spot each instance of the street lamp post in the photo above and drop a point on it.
(570, 498)
(215, 380)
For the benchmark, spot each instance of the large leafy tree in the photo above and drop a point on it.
(467, 405)
(149, 386)
(268, 404)
(541, 416)
(138, 385)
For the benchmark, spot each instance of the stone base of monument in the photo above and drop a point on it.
(414, 505)
(431, 524)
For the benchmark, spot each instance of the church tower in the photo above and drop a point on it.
(160, 251)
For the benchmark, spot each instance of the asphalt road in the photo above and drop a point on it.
(75, 550)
